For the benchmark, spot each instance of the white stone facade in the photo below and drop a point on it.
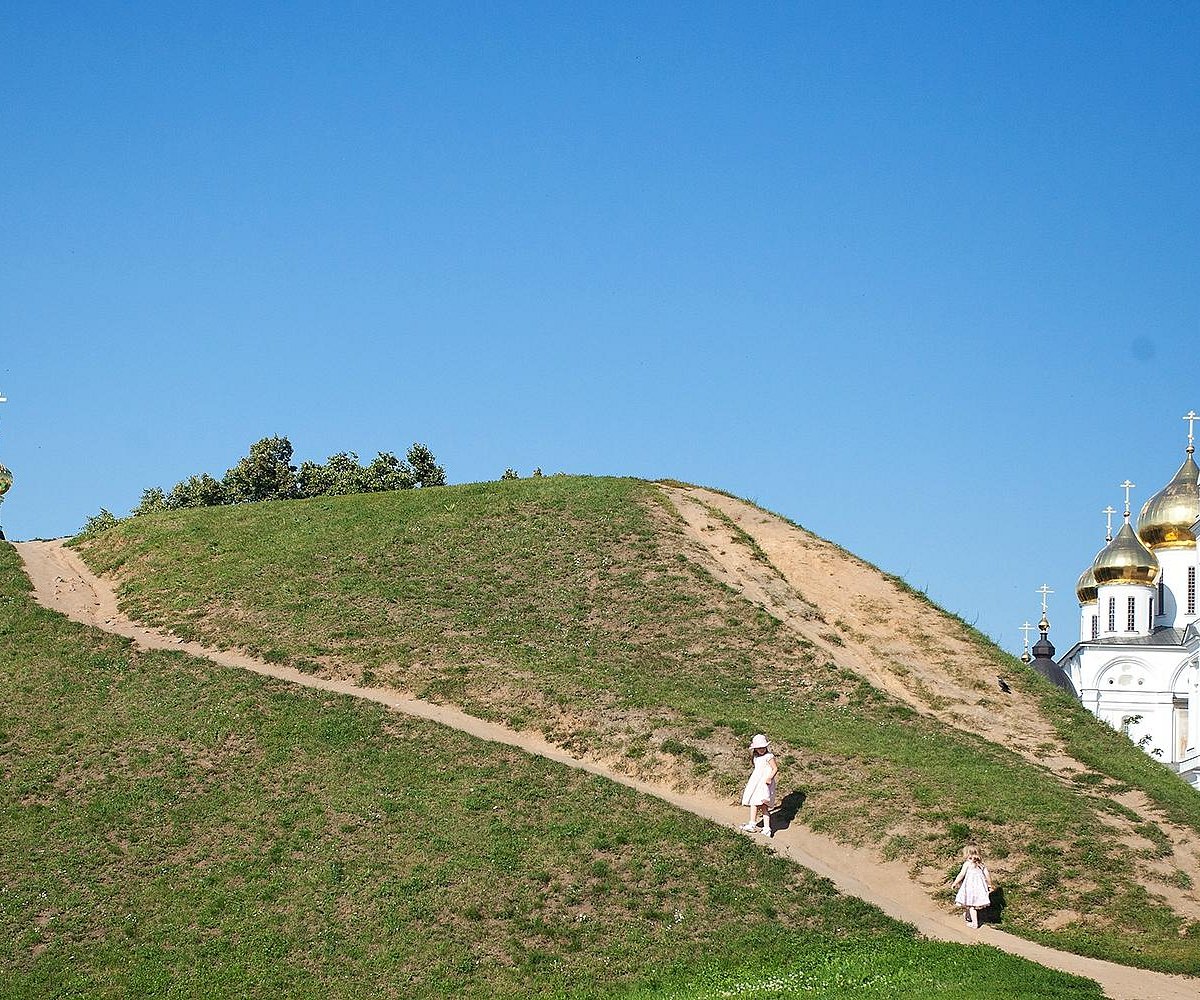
(1137, 662)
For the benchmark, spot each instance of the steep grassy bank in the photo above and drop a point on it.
(572, 605)
(172, 829)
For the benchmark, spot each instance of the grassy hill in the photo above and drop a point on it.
(173, 829)
(575, 606)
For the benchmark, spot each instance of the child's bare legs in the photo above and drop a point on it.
(973, 917)
(759, 815)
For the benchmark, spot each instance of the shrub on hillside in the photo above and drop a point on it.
(153, 500)
(267, 473)
(425, 469)
(100, 522)
(197, 491)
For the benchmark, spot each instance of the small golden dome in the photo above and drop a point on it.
(1167, 517)
(1086, 589)
(1125, 560)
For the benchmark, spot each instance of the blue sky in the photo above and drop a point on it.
(923, 277)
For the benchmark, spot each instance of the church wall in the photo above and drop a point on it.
(1086, 613)
(1121, 593)
(1148, 694)
(1175, 564)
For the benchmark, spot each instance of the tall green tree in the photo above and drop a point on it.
(386, 472)
(197, 491)
(153, 500)
(425, 469)
(266, 473)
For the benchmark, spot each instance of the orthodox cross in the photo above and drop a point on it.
(1109, 510)
(1044, 590)
(1191, 418)
(1025, 630)
(1127, 486)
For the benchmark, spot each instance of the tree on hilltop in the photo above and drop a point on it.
(387, 472)
(153, 500)
(266, 473)
(425, 469)
(341, 475)
(196, 491)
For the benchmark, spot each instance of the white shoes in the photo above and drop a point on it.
(749, 827)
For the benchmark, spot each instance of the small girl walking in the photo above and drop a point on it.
(974, 884)
(760, 789)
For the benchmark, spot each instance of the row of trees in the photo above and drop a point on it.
(267, 473)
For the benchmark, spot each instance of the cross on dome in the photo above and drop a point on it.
(1025, 630)
(1109, 510)
(1044, 590)
(1127, 486)
(1191, 418)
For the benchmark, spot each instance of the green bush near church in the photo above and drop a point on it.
(173, 829)
(569, 605)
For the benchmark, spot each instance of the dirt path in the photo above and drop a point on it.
(860, 619)
(63, 583)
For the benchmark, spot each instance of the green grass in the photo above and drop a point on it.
(569, 605)
(175, 829)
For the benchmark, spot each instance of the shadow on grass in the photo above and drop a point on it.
(994, 914)
(783, 814)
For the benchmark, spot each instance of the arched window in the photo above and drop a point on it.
(1130, 621)
(1162, 591)
(1191, 605)
(1095, 626)
(1112, 614)
(1150, 617)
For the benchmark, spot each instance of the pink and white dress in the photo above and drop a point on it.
(760, 789)
(974, 888)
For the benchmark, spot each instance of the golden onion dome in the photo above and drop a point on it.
(1086, 589)
(1167, 517)
(1125, 560)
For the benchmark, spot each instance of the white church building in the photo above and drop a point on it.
(1137, 662)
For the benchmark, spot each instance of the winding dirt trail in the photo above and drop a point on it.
(862, 620)
(62, 582)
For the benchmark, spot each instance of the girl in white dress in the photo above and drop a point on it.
(974, 884)
(760, 789)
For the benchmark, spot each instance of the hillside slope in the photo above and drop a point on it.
(588, 609)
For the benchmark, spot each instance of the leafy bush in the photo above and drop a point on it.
(198, 491)
(100, 522)
(267, 473)
(152, 500)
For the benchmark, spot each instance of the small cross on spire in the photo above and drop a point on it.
(1127, 486)
(1109, 511)
(1191, 418)
(1025, 630)
(1044, 590)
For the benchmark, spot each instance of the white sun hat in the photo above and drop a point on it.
(759, 742)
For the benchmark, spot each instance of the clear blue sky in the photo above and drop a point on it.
(923, 277)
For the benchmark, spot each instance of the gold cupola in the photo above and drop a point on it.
(1086, 588)
(1125, 560)
(1167, 517)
